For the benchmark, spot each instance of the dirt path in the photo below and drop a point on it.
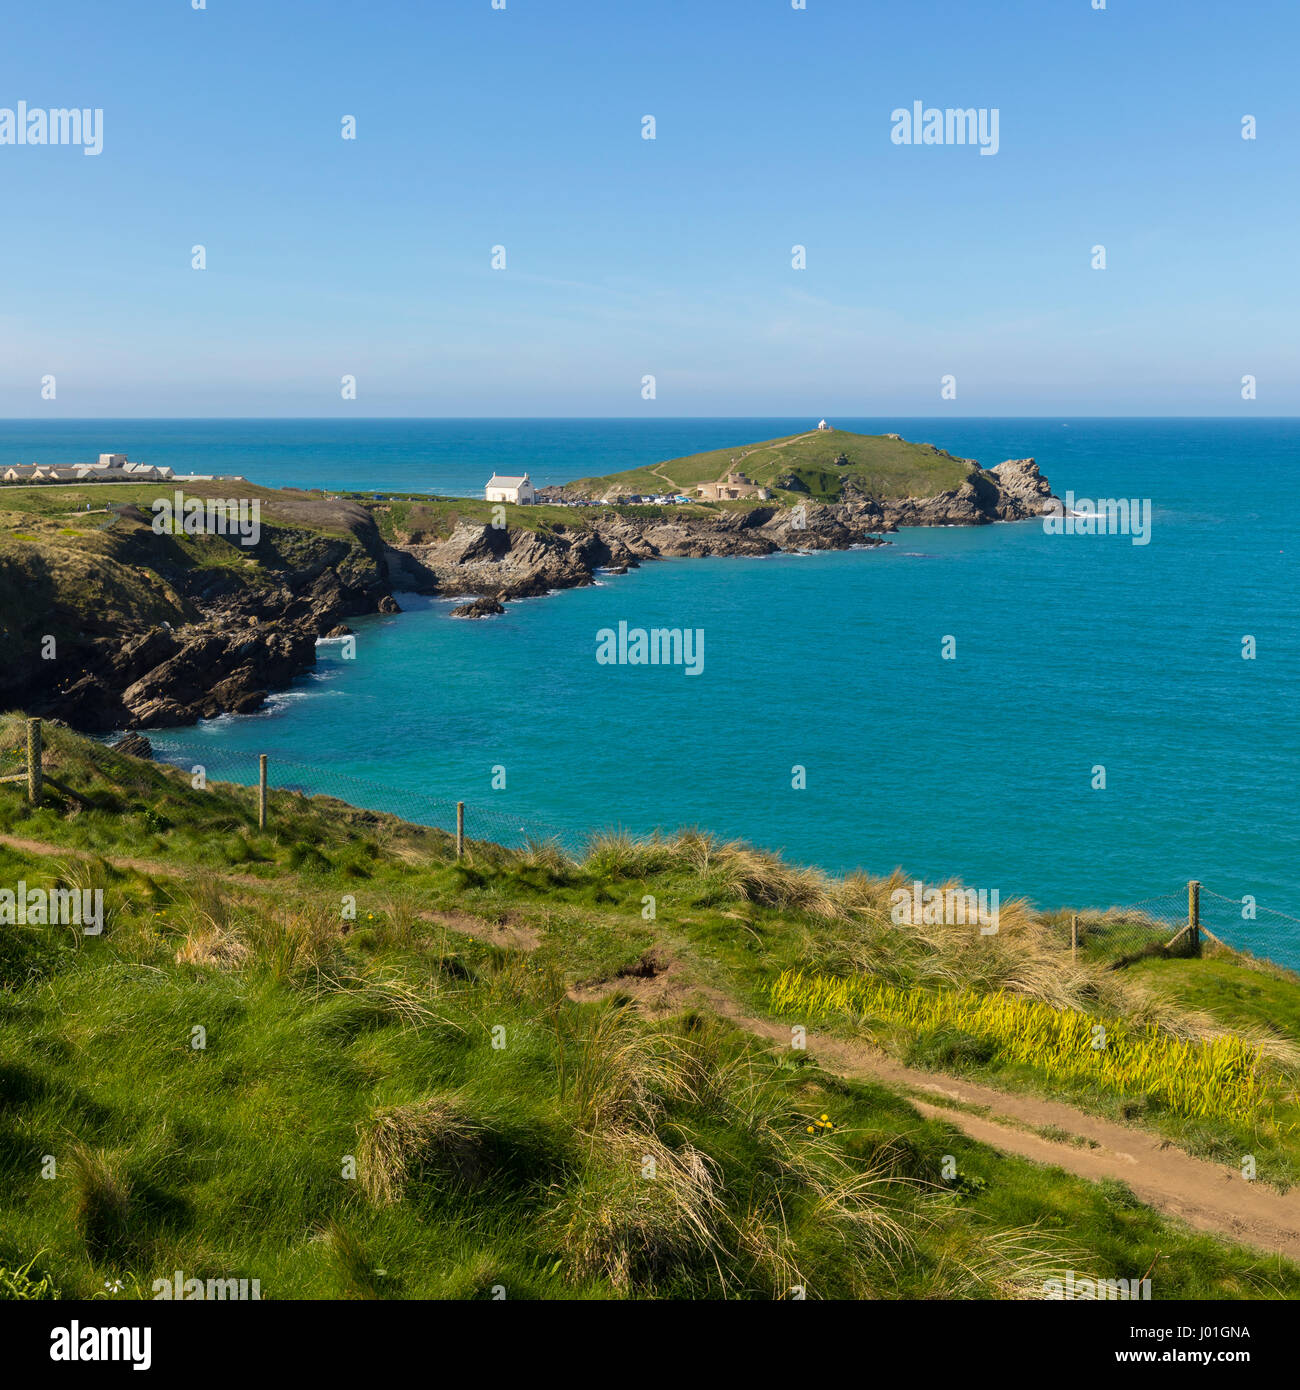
(1207, 1196)
(740, 458)
(152, 867)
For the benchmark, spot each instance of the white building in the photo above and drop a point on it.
(112, 461)
(823, 426)
(501, 488)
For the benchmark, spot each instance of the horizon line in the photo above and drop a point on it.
(638, 419)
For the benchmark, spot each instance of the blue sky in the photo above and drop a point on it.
(672, 257)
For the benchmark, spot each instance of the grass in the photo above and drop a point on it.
(426, 520)
(236, 1080)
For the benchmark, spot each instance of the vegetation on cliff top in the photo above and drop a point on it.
(817, 464)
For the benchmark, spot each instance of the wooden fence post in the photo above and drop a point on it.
(261, 791)
(35, 771)
(1194, 915)
(460, 831)
(1074, 937)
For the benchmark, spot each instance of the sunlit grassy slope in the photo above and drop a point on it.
(817, 463)
(286, 1059)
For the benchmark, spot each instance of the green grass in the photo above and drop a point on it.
(348, 1128)
(426, 520)
(1266, 998)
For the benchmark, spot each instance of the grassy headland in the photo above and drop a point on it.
(817, 464)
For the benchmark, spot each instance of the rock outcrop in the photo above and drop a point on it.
(479, 608)
(146, 637)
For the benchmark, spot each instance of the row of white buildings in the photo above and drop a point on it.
(111, 468)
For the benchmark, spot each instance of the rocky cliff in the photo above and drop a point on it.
(121, 627)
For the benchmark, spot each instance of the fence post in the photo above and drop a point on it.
(1194, 915)
(1074, 937)
(35, 771)
(261, 791)
(460, 831)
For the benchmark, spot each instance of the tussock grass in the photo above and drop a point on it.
(641, 1207)
(436, 1131)
(102, 1202)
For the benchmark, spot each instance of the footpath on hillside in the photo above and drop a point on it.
(1208, 1196)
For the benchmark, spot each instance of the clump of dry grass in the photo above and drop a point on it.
(735, 870)
(209, 945)
(289, 943)
(977, 1260)
(851, 1199)
(386, 996)
(548, 856)
(641, 1207)
(611, 1069)
(438, 1131)
(617, 854)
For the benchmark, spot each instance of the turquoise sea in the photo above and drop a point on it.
(1073, 652)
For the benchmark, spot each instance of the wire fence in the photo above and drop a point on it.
(1151, 926)
(287, 773)
(1180, 923)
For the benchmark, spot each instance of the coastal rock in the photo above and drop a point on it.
(219, 673)
(479, 608)
(518, 562)
(172, 641)
(135, 745)
(1024, 488)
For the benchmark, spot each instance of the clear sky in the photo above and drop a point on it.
(625, 257)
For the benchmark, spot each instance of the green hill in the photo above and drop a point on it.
(817, 463)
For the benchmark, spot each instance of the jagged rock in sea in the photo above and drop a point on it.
(480, 608)
(135, 745)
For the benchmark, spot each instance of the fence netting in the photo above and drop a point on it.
(1156, 924)
(287, 773)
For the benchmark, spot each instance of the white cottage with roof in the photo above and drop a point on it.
(502, 487)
